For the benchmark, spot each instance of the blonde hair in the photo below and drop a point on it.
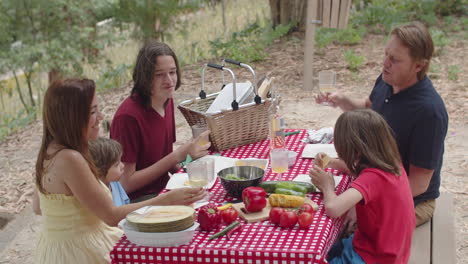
(418, 40)
(363, 139)
(105, 153)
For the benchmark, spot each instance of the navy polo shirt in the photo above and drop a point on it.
(419, 120)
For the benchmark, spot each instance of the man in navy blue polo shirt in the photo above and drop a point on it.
(406, 98)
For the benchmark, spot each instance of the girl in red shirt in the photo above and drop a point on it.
(380, 191)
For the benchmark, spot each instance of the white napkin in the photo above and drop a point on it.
(306, 178)
(311, 150)
(180, 180)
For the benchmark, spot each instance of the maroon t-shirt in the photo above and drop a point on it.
(146, 137)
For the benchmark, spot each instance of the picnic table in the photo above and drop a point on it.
(260, 242)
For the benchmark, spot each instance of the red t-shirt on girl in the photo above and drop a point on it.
(385, 217)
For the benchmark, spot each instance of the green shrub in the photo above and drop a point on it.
(10, 123)
(248, 44)
(348, 36)
(112, 78)
(449, 7)
(379, 16)
(440, 40)
(354, 61)
(453, 72)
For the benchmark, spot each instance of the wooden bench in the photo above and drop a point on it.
(434, 241)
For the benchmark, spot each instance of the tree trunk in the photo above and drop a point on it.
(3, 102)
(18, 88)
(284, 12)
(54, 75)
(28, 81)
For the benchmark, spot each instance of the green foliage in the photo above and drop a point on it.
(10, 123)
(353, 60)
(452, 7)
(453, 72)
(348, 36)
(440, 40)
(114, 77)
(248, 44)
(153, 18)
(380, 16)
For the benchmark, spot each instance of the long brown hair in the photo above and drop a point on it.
(145, 66)
(105, 153)
(65, 117)
(418, 40)
(363, 139)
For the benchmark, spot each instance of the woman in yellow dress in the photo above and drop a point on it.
(79, 217)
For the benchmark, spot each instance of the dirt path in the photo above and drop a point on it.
(18, 152)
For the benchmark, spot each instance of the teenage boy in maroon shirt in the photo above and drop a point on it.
(144, 124)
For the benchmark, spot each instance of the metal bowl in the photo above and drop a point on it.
(246, 176)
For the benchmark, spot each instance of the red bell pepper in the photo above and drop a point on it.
(209, 217)
(254, 199)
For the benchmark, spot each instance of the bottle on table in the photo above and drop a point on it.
(277, 134)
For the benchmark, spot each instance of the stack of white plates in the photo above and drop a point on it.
(165, 239)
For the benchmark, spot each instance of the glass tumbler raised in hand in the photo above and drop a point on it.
(197, 130)
(326, 83)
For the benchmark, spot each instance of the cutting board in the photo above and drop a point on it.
(264, 214)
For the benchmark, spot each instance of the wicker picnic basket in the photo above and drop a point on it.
(240, 125)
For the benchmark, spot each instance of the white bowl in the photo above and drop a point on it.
(166, 239)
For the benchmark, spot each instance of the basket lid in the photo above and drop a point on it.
(244, 93)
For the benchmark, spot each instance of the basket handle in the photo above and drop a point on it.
(257, 99)
(234, 104)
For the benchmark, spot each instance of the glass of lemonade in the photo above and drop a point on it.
(327, 83)
(197, 129)
(198, 175)
(279, 161)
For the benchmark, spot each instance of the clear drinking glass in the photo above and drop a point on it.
(327, 83)
(210, 165)
(197, 129)
(279, 161)
(198, 175)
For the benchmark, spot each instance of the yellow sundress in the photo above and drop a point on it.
(71, 233)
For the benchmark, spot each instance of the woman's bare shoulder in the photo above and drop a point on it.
(69, 159)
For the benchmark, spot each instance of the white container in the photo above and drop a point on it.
(291, 158)
(166, 239)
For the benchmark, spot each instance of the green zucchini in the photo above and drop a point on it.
(289, 192)
(291, 186)
(270, 186)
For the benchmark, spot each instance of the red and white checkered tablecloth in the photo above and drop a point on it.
(259, 242)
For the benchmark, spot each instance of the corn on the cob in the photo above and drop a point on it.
(284, 200)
